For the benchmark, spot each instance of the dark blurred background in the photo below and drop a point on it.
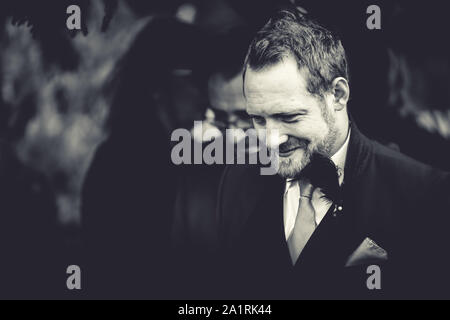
(64, 94)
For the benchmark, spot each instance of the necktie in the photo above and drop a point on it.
(305, 223)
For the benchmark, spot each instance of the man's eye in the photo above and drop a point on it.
(258, 120)
(291, 119)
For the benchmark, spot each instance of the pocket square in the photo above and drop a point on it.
(367, 252)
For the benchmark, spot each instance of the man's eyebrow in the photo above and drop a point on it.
(253, 115)
(282, 114)
(288, 114)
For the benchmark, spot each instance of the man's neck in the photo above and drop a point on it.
(342, 136)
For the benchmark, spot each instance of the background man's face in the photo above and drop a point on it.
(227, 102)
(297, 123)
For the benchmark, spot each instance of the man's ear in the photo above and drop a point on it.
(341, 93)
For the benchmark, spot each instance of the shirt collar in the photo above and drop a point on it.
(339, 158)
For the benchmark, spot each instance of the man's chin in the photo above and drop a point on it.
(291, 166)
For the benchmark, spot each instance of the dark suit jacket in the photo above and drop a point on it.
(397, 202)
(127, 205)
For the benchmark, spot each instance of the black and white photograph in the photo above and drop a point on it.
(224, 156)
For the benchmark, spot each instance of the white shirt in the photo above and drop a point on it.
(321, 206)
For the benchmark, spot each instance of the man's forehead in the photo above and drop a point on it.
(272, 106)
(276, 90)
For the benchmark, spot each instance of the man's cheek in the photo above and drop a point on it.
(307, 135)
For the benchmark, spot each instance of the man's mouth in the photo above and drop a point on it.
(288, 152)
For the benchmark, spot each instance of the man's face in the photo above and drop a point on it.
(227, 102)
(297, 123)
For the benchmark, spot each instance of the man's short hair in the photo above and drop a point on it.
(290, 33)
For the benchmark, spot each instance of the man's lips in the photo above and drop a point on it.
(287, 153)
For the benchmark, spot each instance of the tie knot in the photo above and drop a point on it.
(306, 188)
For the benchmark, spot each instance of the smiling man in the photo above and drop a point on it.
(340, 203)
(278, 99)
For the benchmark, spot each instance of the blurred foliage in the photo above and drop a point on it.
(56, 115)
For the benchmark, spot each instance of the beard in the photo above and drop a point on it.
(292, 166)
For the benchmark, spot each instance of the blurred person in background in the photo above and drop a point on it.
(419, 81)
(130, 189)
(132, 186)
(195, 232)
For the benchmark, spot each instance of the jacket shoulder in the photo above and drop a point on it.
(240, 189)
(238, 185)
(404, 170)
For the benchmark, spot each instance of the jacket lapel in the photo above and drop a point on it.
(338, 235)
